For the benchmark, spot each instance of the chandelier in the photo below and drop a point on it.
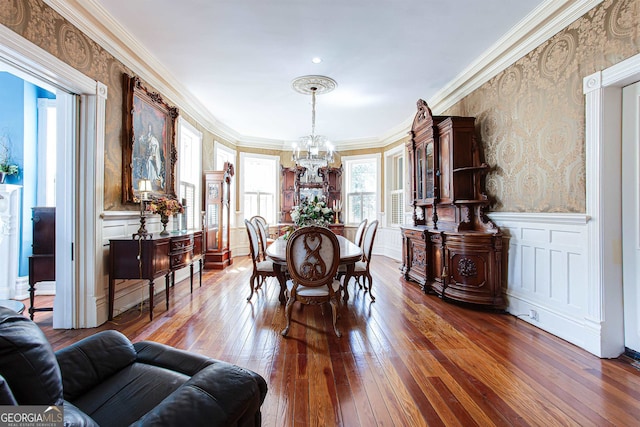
(313, 151)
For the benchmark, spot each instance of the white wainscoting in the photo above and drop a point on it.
(547, 272)
(388, 243)
(129, 293)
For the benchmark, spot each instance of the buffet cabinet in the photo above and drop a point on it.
(451, 248)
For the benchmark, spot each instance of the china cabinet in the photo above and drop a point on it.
(297, 183)
(451, 248)
(217, 192)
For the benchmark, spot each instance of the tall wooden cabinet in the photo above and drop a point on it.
(42, 264)
(452, 248)
(295, 185)
(217, 193)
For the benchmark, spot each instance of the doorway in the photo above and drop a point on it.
(81, 104)
(631, 217)
(41, 133)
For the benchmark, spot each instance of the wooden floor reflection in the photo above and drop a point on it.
(408, 359)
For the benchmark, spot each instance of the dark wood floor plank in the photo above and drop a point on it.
(406, 359)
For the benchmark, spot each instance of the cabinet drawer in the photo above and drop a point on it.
(181, 251)
(181, 244)
(180, 260)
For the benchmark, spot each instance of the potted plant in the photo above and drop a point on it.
(6, 167)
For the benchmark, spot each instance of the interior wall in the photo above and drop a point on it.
(530, 117)
(40, 24)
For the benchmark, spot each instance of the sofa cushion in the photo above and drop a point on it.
(129, 394)
(27, 361)
(88, 362)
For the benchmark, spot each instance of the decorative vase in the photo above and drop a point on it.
(2, 177)
(164, 220)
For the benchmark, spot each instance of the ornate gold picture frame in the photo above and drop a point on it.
(149, 146)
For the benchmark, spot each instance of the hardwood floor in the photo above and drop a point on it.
(408, 359)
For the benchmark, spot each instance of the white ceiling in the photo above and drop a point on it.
(238, 57)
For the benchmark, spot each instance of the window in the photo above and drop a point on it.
(46, 189)
(222, 154)
(395, 178)
(190, 172)
(260, 184)
(362, 189)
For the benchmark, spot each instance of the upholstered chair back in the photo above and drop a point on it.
(313, 255)
(360, 232)
(367, 243)
(254, 243)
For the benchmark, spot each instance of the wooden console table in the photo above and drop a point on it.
(152, 258)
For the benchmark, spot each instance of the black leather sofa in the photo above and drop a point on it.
(105, 380)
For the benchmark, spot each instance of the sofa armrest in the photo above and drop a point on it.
(221, 394)
(6, 395)
(74, 417)
(91, 360)
(164, 356)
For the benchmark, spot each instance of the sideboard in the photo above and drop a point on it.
(152, 258)
(452, 248)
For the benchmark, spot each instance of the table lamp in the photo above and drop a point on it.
(144, 188)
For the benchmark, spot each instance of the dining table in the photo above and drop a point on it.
(350, 253)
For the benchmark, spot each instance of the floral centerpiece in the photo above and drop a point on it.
(6, 167)
(166, 207)
(312, 211)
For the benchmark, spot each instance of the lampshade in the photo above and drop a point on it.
(144, 185)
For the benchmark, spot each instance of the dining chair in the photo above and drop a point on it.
(313, 256)
(360, 232)
(262, 227)
(261, 268)
(342, 270)
(361, 268)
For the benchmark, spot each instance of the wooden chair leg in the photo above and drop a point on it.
(370, 280)
(251, 283)
(287, 312)
(334, 312)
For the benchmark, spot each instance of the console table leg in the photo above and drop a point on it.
(166, 290)
(32, 294)
(200, 271)
(191, 275)
(151, 291)
(111, 297)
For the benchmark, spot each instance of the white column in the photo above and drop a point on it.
(9, 225)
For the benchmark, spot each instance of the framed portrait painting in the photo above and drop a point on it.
(149, 149)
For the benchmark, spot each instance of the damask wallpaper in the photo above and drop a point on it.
(530, 117)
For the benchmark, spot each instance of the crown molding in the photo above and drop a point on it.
(538, 26)
(94, 21)
(541, 24)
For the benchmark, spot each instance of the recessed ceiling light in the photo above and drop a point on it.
(316, 60)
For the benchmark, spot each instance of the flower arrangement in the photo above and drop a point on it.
(6, 167)
(165, 207)
(312, 212)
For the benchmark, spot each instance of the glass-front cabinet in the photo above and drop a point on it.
(452, 248)
(217, 190)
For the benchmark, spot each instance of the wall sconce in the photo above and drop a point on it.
(144, 188)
